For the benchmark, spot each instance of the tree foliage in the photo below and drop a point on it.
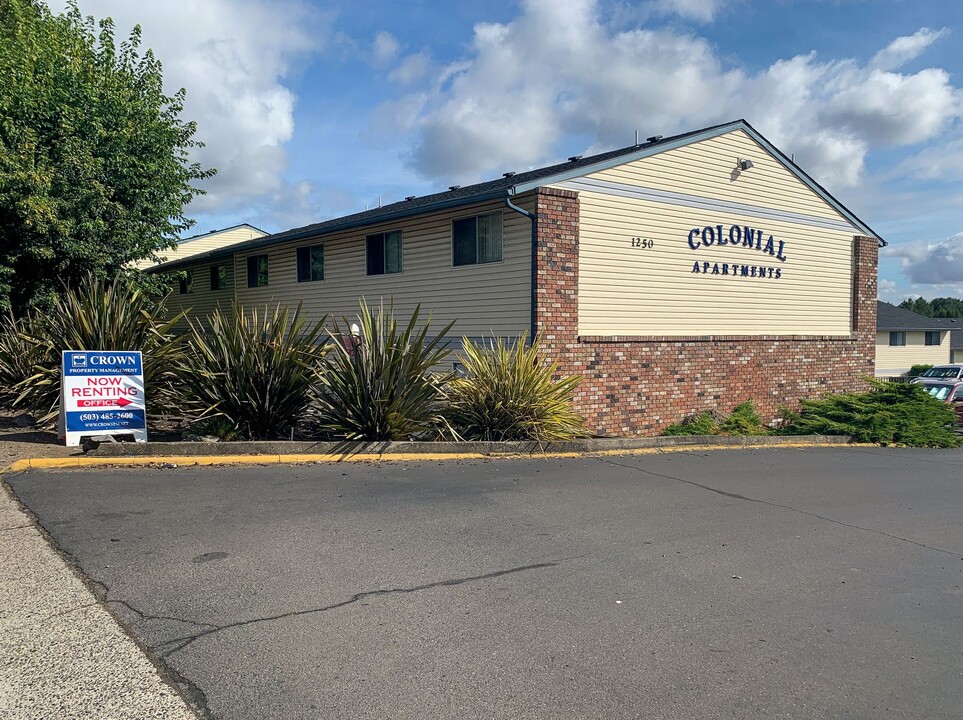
(94, 157)
(941, 307)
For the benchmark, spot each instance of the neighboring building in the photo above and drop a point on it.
(905, 338)
(681, 274)
(197, 244)
(955, 326)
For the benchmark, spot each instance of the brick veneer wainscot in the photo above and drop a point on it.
(637, 386)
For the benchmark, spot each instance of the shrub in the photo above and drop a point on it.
(20, 353)
(509, 394)
(744, 420)
(917, 370)
(252, 370)
(889, 413)
(704, 423)
(381, 387)
(100, 315)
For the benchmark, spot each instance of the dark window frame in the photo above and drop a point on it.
(466, 257)
(304, 257)
(218, 278)
(186, 284)
(376, 253)
(930, 335)
(897, 338)
(254, 271)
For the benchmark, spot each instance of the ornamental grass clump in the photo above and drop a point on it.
(20, 354)
(99, 315)
(508, 393)
(890, 413)
(250, 369)
(381, 384)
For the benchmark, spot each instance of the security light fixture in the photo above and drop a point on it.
(574, 158)
(745, 164)
(454, 187)
(653, 139)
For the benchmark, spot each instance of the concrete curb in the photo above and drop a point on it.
(282, 452)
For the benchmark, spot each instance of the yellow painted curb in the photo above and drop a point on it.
(211, 460)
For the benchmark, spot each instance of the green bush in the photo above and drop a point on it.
(744, 420)
(890, 413)
(508, 394)
(917, 370)
(100, 315)
(382, 387)
(252, 370)
(704, 423)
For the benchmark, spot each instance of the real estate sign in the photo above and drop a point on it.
(102, 394)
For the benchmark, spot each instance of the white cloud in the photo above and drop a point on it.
(903, 49)
(233, 57)
(925, 263)
(559, 70)
(384, 49)
(411, 69)
(938, 163)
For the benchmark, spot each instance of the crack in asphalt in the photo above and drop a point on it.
(737, 496)
(147, 616)
(169, 647)
(15, 527)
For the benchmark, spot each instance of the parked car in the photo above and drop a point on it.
(940, 372)
(950, 392)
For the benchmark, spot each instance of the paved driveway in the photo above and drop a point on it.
(821, 583)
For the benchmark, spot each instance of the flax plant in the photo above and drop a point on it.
(98, 315)
(381, 385)
(251, 369)
(507, 393)
(20, 353)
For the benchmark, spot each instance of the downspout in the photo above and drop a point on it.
(533, 217)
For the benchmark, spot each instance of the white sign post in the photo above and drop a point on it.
(102, 394)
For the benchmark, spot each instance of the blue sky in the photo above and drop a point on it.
(314, 109)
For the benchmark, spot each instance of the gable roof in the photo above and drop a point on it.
(890, 317)
(511, 184)
(212, 233)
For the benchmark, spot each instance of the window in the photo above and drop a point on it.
(477, 240)
(218, 277)
(187, 283)
(384, 253)
(311, 263)
(257, 271)
(897, 339)
(932, 337)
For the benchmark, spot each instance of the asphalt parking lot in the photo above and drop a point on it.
(820, 583)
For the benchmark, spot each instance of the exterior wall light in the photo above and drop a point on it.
(745, 164)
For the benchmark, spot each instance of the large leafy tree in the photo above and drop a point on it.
(95, 166)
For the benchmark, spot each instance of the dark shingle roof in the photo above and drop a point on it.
(504, 187)
(890, 317)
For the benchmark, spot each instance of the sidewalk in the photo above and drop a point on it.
(62, 655)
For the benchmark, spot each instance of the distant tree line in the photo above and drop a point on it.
(943, 307)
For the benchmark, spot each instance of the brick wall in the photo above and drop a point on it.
(637, 386)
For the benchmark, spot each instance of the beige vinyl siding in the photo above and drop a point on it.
(896, 360)
(201, 300)
(626, 291)
(956, 356)
(708, 169)
(493, 298)
(204, 243)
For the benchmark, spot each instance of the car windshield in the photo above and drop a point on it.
(940, 392)
(941, 372)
